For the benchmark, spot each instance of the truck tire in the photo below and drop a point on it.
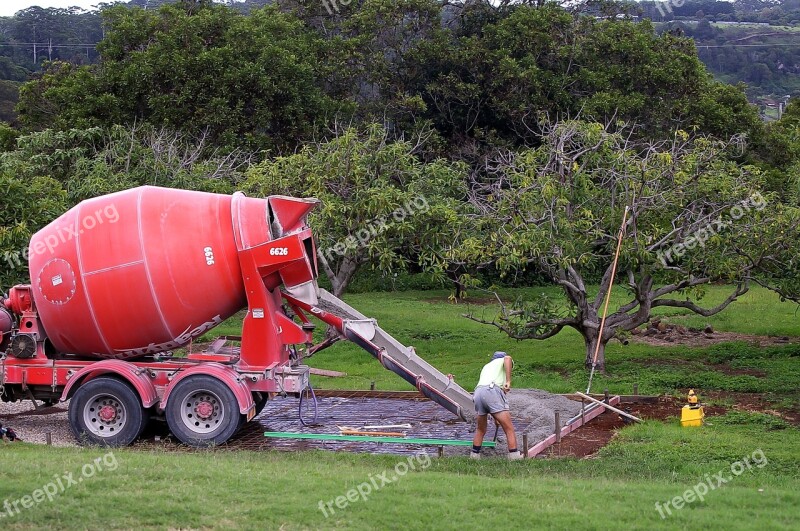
(106, 411)
(203, 411)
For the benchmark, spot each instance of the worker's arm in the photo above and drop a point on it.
(509, 363)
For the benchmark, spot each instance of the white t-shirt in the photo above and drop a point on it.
(493, 372)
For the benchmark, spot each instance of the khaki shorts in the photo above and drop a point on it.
(490, 399)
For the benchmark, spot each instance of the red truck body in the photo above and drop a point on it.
(120, 281)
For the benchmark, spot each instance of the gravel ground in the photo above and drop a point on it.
(535, 410)
(531, 409)
(31, 425)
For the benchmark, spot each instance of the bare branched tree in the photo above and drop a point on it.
(694, 219)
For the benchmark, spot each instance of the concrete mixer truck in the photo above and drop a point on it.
(113, 299)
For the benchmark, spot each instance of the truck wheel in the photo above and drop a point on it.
(203, 411)
(107, 412)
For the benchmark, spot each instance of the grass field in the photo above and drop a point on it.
(757, 455)
(646, 464)
(459, 346)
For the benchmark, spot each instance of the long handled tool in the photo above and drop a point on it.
(608, 298)
(612, 408)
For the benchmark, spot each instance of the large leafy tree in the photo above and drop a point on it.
(248, 81)
(380, 203)
(498, 79)
(28, 205)
(695, 218)
(779, 152)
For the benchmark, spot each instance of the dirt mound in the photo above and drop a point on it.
(660, 333)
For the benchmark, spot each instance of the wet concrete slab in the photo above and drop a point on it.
(532, 413)
(427, 419)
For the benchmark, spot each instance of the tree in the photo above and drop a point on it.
(28, 205)
(91, 162)
(491, 86)
(695, 218)
(246, 81)
(380, 203)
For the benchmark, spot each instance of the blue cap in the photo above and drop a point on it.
(499, 354)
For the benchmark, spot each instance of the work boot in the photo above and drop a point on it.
(513, 456)
(474, 455)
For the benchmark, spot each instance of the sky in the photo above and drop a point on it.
(9, 7)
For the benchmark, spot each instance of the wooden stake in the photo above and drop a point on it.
(49, 438)
(558, 427)
(525, 445)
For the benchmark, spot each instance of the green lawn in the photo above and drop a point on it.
(655, 462)
(459, 346)
(646, 464)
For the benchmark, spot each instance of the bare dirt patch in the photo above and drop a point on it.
(753, 402)
(586, 441)
(660, 333)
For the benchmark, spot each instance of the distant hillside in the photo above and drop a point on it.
(766, 58)
(756, 42)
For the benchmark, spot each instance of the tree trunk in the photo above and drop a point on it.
(458, 289)
(592, 345)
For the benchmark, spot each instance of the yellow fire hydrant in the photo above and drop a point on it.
(692, 413)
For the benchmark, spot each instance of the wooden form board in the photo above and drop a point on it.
(591, 412)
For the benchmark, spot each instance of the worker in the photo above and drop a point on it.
(490, 399)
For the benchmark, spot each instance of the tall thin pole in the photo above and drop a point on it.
(608, 298)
